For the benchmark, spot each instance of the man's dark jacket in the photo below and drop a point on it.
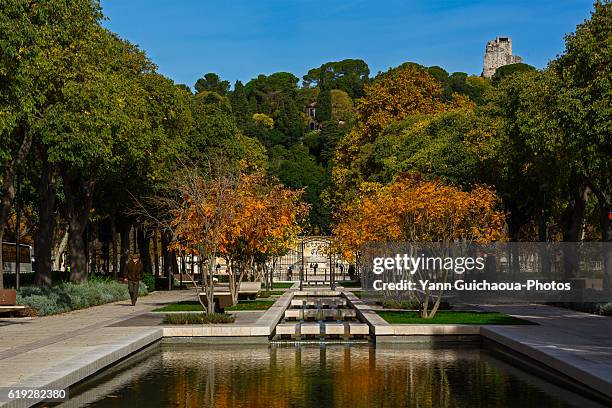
(134, 271)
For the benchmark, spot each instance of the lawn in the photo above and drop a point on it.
(268, 293)
(251, 305)
(350, 284)
(451, 317)
(184, 306)
(194, 306)
(278, 285)
(361, 294)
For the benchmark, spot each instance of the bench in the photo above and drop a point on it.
(248, 290)
(13, 309)
(222, 299)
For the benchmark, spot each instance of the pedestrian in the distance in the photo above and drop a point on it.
(134, 273)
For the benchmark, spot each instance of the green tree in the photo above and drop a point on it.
(240, 105)
(101, 117)
(324, 105)
(215, 134)
(296, 168)
(39, 46)
(212, 83)
(510, 69)
(585, 106)
(343, 109)
(140, 172)
(349, 75)
(454, 146)
(276, 95)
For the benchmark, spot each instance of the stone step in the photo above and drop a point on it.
(310, 329)
(358, 329)
(320, 314)
(331, 329)
(286, 329)
(340, 302)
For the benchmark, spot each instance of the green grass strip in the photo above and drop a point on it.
(251, 305)
(451, 317)
(278, 285)
(184, 306)
(268, 293)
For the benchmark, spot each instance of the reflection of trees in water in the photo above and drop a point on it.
(329, 376)
(344, 377)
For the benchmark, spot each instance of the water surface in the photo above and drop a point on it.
(318, 376)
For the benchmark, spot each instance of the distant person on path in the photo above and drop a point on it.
(134, 274)
(290, 273)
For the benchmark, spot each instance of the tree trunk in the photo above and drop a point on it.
(572, 227)
(104, 237)
(1, 254)
(165, 254)
(80, 192)
(155, 254)
(8, 186)
(605, 224)
(174, 268)
(124, 234)
(113, 228)
(59, 250)
(144, 248)
(78, 257)
(46, 224)
(93, 260)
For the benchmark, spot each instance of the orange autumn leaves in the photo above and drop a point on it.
(414, 209)
(248, 213)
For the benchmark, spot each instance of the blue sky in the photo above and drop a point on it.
(240, 39)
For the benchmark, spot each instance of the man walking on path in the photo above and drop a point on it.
(134, 273)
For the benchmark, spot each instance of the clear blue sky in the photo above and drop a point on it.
(240, 39)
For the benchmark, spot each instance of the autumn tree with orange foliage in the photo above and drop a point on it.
(199, 208)
(266, 218)
(393, 96)
(237, 217)
(413, 209)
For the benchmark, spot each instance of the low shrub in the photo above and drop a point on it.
(606, 309)
(411, 305)
(392, 304)
(264, 294)
(198, 318)
(149, 281)
(71, 296)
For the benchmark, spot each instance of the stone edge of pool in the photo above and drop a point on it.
(81, 367)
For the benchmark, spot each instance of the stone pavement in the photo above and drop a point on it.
(59, 350)
(576, 344)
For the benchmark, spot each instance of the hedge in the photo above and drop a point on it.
(71, 296)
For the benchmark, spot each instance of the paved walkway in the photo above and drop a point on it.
(68, 347)
(57, 351)
(576, 344)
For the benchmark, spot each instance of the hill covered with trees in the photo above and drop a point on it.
(92, 130)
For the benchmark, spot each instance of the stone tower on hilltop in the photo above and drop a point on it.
(498, 54)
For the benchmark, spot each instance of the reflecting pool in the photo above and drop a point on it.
(171, 375)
